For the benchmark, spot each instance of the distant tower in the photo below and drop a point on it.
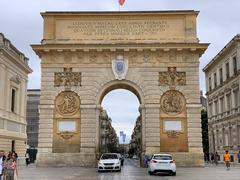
(122, 136)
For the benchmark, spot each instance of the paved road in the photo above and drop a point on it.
(130, 171)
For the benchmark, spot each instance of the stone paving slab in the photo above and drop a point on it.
(129, 172)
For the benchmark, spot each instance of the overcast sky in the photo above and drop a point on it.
(21, 23)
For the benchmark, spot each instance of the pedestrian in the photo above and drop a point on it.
(1, 164)
(227, 158)
(15, 155)
(212, 157)
(216, 158)
(238, 157)
(11, 168)
(206, 157)
(27, 158)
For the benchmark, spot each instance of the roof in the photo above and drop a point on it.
(10, 49)
(234, 39)
(120, 12)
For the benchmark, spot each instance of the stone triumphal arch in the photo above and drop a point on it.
(84, 55)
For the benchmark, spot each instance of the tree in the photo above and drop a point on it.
(204, 121)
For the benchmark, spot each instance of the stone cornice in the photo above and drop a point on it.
(7, 48)
(193, 47)
(11, 56)
(222, 52)
(97, 13)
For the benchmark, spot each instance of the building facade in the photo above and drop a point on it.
(14, 72)
(223, 84)
(85, 55)
(136, 137)
(109, 140)
(33, 100)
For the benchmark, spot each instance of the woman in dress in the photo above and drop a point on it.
(11, 168)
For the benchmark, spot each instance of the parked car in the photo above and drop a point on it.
(135, 157)
(109, 162)
(162, 163)
(121, 157)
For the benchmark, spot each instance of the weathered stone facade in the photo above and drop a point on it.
(223, 84)
(33, 100)
(135, 142)
(14, 70)
(129, 50)
(109, 141)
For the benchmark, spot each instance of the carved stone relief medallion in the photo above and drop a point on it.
(172, 102)
(67, 78)
(67, 103)
(172, 77)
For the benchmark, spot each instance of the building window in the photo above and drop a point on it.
(210, 110)
(234, 65)
(13, 100)
(228, 102)
(230, 136)
(216, 107)
(217, 138)
(220, 75)
(223, 137)
(215, 80)
(210, 83)
(236, 98)
(221, 105)
(227, 70)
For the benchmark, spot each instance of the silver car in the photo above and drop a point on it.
(162, 163)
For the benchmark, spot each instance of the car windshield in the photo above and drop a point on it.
(162, 157)
(109, 156)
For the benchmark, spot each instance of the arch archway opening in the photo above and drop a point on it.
(120, 111)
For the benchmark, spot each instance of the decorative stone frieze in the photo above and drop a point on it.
(67, 78)
(172, 77)
(173, 134)
(66, 135)
(16, 79)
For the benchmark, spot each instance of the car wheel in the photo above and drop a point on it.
(150, 172)
(174, 173)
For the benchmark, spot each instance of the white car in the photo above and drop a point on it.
(162, 163)
(109, 162)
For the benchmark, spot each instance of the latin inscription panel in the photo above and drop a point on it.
(124, 29)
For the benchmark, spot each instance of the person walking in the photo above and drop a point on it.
(216, 158)
(212, 157)
(1, 164)
(27, 158)
(238, 157)
(227, 158)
